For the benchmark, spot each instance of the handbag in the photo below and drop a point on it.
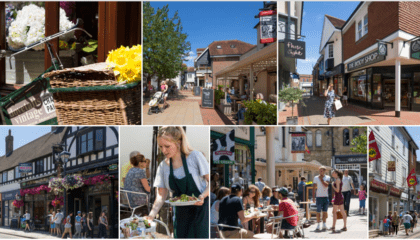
(337, 104)
(339, 215)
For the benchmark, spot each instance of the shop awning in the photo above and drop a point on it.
(263, 59)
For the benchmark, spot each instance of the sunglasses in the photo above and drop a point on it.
(252, 191)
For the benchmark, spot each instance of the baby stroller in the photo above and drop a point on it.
(154, 103)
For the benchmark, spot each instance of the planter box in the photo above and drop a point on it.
(292, 121)
(30, 64)
(225, 108)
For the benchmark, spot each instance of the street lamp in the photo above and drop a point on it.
(64, 157)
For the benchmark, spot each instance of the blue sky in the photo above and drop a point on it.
(312, 22)
(205, 22)
(21, 136)
(415, 134)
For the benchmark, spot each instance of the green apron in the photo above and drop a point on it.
(190, 221)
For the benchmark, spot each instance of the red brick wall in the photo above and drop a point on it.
(409, 17)
(221, 63)
(382, 21)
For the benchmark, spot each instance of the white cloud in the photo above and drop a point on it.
(189, 60)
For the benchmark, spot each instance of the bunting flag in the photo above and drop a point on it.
(411, 179)
(307, 149)
(373, 148)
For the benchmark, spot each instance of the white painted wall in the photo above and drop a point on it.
(111, 138)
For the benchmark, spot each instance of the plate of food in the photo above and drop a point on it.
(183, 200)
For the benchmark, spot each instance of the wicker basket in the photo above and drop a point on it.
(90, 95)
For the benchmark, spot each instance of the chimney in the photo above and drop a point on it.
(9, 144)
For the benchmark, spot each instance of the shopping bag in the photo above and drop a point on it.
(339, 215)
(337, 104)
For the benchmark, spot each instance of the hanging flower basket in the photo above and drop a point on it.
(56, 184)
(18, 203)
(34, 191)
(58, 201)
(71, 182)
(99, 179)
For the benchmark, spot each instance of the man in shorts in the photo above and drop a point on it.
(57, 220)
(406, 219)
(321, 183)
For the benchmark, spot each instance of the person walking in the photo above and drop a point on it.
(27, 217)
(184, 171)
(231, 210)
(90, 224)
(348, 187)
(386, 225)
(57, 220)
(78, 225)
(345, 97)
(362, 199)
(406, 219)
(329, 109)
(164, 88)
(67, 226)
(338, 200)
(395, 222)
(301, 190)
(103, 225)
(84, 225)
(321, 183)
(260, 184)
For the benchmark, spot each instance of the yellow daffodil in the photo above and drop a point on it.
(126, 63)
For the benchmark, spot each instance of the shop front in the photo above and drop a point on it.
(357, 166)
(9, 211)
(336, 77)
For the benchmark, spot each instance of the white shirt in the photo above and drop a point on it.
(197, 166)
(238, 180)
(347, 181)
(321, 191)
(58, 217)
(407, 218)
(260, 185)
(27, 216)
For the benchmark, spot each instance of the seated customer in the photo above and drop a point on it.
(230, 211)
(260, 98)
(287, 208)
(136, 179)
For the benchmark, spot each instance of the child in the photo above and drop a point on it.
(386, 225)
(362, 199)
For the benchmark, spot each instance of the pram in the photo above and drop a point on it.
(154, 103)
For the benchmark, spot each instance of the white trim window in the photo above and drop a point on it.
(365, 24)
(330, 51)
(359, 30)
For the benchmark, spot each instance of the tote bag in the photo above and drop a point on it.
(337, 104)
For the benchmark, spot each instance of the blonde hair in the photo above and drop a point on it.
(260, 95)
(175, 134)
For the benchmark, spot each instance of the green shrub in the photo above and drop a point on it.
(292, 95)
(218, 94)
(261, 113)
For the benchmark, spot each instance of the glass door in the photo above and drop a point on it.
(415, 99)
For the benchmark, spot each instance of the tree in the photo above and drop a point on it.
(164, 44)
(360, 142)
(292, 95)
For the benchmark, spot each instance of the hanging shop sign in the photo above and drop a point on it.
(25, 167)
(391, 166)
(393, 191)
(350, 159)
(10, 195)
(224, 149)
(378, 186)
(207, 98)
(268, 26)
(382, 48)
(31, 105)
(415, 49)
(294, 49)
(113, 167)
(411, 179)
(368, 59)
(298, 142)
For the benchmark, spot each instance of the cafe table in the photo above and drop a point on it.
(260, 216)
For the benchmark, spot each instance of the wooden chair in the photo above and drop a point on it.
(277, 221)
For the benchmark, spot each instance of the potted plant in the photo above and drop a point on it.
(292, 96)
(259, 113)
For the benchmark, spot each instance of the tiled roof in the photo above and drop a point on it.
(338, 23)
(190, 69)
(229, 47)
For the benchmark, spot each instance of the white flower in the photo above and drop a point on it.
(29, 27)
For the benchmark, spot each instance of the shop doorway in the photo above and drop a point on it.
(97, 205)
(389, 93)
(6, 213)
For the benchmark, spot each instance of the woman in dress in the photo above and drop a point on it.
(90, 224)
(136, 180)
(184, 171)
(338, 199)
(103, 226)
(251, 197)
(84, 226)
(329, 109)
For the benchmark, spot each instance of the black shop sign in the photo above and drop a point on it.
(207, 98)
(368, 59)
(351, 159)
(294, 49)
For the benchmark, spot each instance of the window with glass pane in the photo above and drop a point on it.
(99, 140)
(359, 30)
(86, 142)
(318, 140)
(365, 22)
(393, 141)
(309, 139)
(346, 137)
(330, 51)
(355, 132)
(90, 142)
(4, 176)
(17, 173)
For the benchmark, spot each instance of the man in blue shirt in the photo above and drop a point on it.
(78, 224)
(301, 190)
